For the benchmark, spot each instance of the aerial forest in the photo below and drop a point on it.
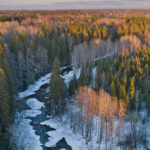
(98, 66)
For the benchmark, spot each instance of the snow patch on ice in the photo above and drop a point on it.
(33, 103)
(76, 141)
(31, 113)
(77, 72)
(35, 86)
(68, 77)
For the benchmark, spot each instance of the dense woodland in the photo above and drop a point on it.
(115, 42)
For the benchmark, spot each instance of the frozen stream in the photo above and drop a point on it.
(34, 118)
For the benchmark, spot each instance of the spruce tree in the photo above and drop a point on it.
(123, 94)
(82, 78)
(6, 96)
(73, 86)
(112, 89)
(57, 93)
(118, 84)
(104, 32)
(89, 74)
(98, 76)
(125, 81)
(132, 92)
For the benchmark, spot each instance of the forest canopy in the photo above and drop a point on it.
(111, 48)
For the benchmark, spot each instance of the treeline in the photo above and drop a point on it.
(6, 97)
(75, 13)
(28, 53)
(9, 18)
(135, 26)
(93, 27)
(86, 30)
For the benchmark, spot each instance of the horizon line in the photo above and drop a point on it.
(71, 9)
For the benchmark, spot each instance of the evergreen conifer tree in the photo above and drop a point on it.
(57, 93)
(6, 96)
(82, 79)
(73, 86)
(112, 89)
(132, 92)
(123, 94)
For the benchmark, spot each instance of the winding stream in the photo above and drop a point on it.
(41, 130)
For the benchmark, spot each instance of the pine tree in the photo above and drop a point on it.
(125, 81)
(89, 74)
(98, 76)
(6, 96)
(132, 92)
(117, 83)
(123, 94)
(112, 89)
(121, 31)
(82, 78)
(73, 86)
(104, 32)
(139, 99)
(57, 93)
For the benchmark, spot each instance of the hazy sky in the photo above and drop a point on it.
(73, 4)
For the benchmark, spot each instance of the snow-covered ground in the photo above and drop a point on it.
(34, 87)
(35, 107)
(27, 136)
(76, 141)
(34, 104)
(69, 76)
(23, 131)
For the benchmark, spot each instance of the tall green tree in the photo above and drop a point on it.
(57, 93)
(98, 75)
(73, 86)
(132, 92)
(82, 78)
(123, 93)
(112, 89)
(6, 97)
(104, 32)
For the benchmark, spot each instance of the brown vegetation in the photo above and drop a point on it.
(103, 105)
